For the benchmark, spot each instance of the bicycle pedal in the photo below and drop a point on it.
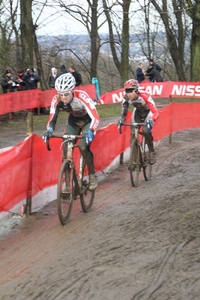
(66, 192)
(85, 182)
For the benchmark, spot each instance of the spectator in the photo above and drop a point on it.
(140, 73)
(156, 66)
(63, 70)
(32, 79)
(21, 76)
(76, 75)
(52, 78)
(151, 73)
(8, 83)
(154, 75)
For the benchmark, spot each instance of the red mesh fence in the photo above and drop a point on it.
(28, 167)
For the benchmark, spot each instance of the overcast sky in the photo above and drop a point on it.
(61, 23)
(51, 23)
(52, 20)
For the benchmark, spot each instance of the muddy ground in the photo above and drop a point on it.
(137, 243)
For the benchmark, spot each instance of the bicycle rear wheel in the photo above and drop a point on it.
(147, 168)
(87, 197)
(65, 192)
(134, 163)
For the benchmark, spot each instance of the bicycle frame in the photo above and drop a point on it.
(68, 156)
(138, 152)
(141, 144)
(71, 184)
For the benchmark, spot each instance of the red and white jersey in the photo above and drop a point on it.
(143, 103)
(80, 106)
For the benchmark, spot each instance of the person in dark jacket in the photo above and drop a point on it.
(21, 75)
(154, 75)
(153, 65)
(32, 79)
(140, 72)
(63, 70)
(76, 75)
(8, 83)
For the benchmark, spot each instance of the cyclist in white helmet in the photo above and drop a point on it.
(83, 117)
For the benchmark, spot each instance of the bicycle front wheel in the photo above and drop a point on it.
(134, 163)
(65, 192)
(147, 168)
(87, 196)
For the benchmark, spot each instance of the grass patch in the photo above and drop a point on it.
(109, 110)
(185, 216)
(104, 111)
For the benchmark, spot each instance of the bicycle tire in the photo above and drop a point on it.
(87, 197)
(147, 168)
(65, 192)
(134, 168)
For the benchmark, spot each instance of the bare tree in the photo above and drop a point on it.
(88, 15)
(193, 10)
(119, 43)
(9, 46)
(30, 47)
(173, 16)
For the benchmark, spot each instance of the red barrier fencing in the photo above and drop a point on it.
(16, 101)
(166, 89)
(28, 167)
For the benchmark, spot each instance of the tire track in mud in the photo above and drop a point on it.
(164, 268)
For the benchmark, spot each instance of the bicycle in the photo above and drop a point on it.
(72, 182)
(139, 155)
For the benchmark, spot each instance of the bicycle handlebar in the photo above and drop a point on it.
(130, 124)
(64, 136)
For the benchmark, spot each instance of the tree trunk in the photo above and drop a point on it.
(195, 42)
(42, 83)
(27, 33)
(125, 42)
(123, 65)
(95, 40)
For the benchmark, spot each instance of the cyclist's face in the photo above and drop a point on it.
(132, 95)
(66, 98)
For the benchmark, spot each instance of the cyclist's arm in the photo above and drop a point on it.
(54, 111)
(125, 106)
(151, 104)
(90, 108)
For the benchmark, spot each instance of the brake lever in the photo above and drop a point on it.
(48, 144)
(120, 128)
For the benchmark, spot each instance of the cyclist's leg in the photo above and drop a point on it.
(149, 141)
(136, 118)
(133, 119)
(88, 157)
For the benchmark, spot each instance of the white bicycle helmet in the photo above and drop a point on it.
(65, 83)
